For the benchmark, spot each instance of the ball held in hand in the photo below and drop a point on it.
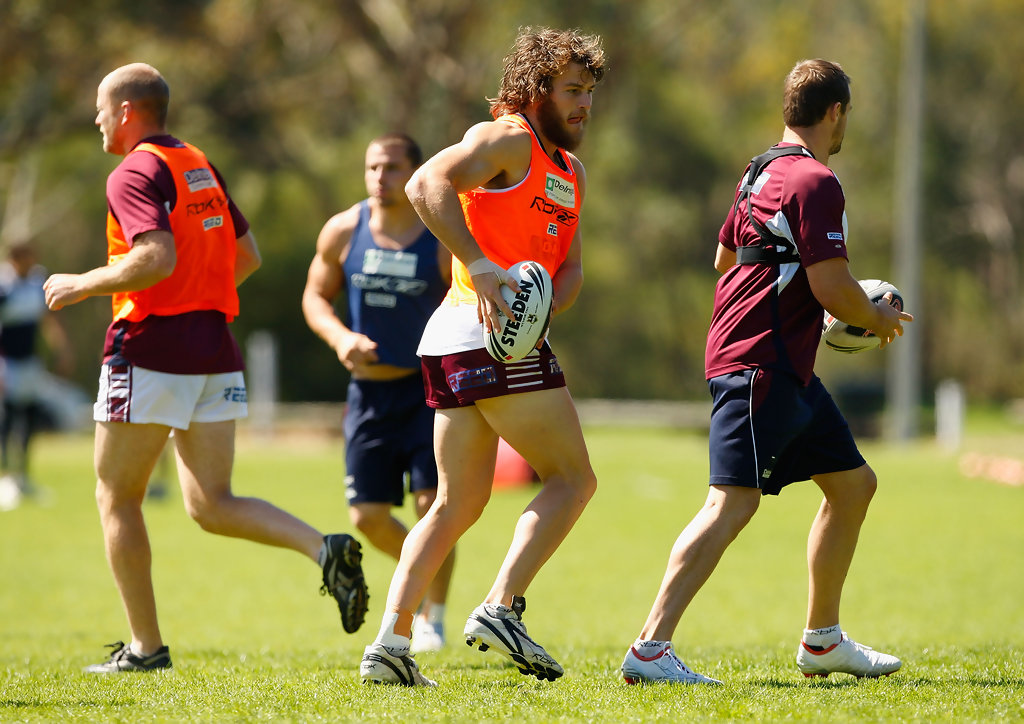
(531, 306)
(842, 337)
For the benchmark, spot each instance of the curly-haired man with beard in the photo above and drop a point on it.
(509, 190)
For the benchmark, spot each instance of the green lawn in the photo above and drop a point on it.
(938, 580)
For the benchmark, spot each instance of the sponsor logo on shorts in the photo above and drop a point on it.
(553, 366)
(213, 222)
(560, 191)
(479, 377)
(562, 216)
(199, 179)
(235, 394)
(835, 236)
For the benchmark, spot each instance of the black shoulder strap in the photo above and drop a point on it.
(773, 249)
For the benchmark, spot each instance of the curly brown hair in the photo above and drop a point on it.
(540, 54)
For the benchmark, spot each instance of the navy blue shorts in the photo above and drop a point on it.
(768, 430)
(389, 436)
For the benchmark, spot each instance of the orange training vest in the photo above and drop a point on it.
(204, 241)
(535, 219)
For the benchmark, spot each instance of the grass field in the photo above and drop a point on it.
(938, 580)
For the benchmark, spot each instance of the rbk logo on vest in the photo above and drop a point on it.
(562, 215)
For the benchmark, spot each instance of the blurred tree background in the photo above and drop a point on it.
(283, 95)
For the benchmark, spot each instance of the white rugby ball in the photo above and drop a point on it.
(515, 338)
(842, 337)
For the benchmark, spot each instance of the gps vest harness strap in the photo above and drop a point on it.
(772, 249)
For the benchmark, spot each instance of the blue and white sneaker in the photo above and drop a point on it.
(493, 625)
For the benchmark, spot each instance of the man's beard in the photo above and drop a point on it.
(555, 128)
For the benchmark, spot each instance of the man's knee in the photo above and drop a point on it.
(370, 520)
(866, 483)
(582, 481)
(849, 488)
(457, 514)
(424, 499)
(733, 505)
(111, 496)
(206, 510)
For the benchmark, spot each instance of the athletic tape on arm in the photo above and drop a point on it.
(482, 266)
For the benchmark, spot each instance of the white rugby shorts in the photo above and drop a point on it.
(135, 395)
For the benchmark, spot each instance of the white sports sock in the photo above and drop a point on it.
(435, 613)
(649, 647)
(138, 651)
(387, 636)
(823, 637)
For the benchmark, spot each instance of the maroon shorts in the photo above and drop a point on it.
(462, 378)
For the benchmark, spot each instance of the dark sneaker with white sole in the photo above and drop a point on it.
(498, 627)
(384, 665)
(343, 579)
(124, 659)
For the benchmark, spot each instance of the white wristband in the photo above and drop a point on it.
(482, 266)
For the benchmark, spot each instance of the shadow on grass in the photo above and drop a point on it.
(846, 682)
(818, 683)
(1000, 682)
(510, 684)
(62, 703)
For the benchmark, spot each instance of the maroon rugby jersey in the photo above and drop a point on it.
(140, 192)
(799, 198)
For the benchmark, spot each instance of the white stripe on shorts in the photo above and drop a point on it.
(527, 372)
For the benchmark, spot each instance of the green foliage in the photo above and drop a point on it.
(284, 94)
(934, 581)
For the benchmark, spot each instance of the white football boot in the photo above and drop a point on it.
(493, 625)
(845, 657)
(385, 665)
(657, 663)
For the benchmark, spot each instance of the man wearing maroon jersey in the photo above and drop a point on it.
(782, 256)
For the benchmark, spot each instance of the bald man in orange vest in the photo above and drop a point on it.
(177, 249)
